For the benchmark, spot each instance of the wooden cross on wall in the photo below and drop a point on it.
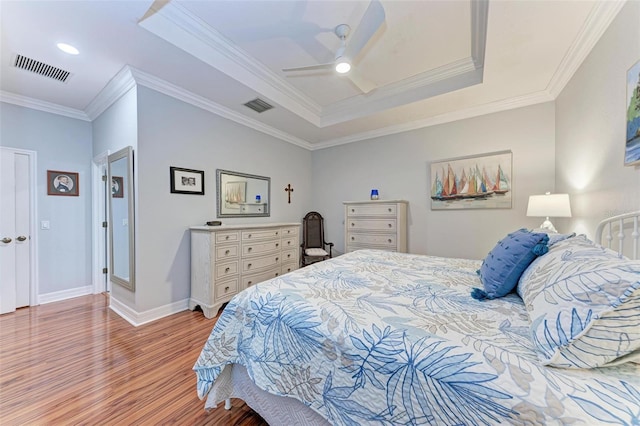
(289, 190)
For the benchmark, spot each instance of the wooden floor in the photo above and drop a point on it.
(77, 362)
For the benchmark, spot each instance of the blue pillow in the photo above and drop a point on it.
(501, 269)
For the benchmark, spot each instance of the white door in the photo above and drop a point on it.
(15, 221)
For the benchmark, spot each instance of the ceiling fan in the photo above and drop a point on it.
(368, 26)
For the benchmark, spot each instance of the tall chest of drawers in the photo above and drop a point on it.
(378, 225)
(227, 259)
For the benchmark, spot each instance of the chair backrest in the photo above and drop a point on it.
(313, 232)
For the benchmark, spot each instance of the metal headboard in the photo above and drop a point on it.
(616, 229)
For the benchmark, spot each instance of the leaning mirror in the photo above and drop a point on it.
(121, 218)
(242, 194)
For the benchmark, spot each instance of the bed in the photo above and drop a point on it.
(374, 337)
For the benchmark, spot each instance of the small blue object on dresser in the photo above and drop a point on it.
(501, 269)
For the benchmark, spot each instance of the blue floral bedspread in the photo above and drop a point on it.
(375, 337)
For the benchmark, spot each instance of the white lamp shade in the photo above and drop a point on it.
(549, 205)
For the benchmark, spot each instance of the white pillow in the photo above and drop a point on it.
(583, 301)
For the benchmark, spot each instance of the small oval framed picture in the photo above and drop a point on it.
(62, 183)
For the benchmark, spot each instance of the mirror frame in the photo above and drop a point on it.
(220, 192)
(126, 153)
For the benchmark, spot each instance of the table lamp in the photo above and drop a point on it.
(549, 205)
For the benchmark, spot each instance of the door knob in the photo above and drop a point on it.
(6, 240)
(21, 238)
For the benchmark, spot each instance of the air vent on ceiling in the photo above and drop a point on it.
(258, 105)
(41, 68)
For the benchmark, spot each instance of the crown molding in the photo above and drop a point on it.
(147, 80)
(448, 77)
(476, 111)
(175, 24)
(24, 101)
(601, 16)
(120, 84)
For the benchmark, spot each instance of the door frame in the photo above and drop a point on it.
(34, 277)
(99, 208)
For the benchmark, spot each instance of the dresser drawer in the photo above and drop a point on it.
(260, 234)
(290, 232)
(258, 248)
(290, 243)
(227, 252)
(227, 237)
(288, 267)
(371, 224)
(371, 210)
(225, 289)
(289, 255)
(249, 280)
(252, 264)
(388, 240)
(227, 269)
(355, 247)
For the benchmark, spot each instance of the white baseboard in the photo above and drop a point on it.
(136, 318)
(57, 296)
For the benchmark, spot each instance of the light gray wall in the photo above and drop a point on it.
(114, 129)
(398, 166)
(61, 143)
(173, 133)
(590, 131)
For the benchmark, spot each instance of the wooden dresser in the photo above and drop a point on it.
(380, 224)
(227, 259)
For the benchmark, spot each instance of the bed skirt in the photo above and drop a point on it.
(234, 382)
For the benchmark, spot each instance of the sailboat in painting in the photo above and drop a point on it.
(501, 186)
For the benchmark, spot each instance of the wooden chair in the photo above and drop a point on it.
(313, 244)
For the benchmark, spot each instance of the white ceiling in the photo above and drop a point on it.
(430, 62)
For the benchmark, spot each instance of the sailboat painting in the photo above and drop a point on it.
(632, 146)
(475, 182)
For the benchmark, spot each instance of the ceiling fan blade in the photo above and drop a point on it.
(311, 67)
(371, 21)
(362, 83)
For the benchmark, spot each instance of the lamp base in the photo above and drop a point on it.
(548, 226)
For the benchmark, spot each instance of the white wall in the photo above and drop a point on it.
(590, 131)
(114, 129)
(173, 133)
(398, 166)
(64, 144)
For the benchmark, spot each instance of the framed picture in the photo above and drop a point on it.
(186, 181)
(632, 146)
(475, 182)
(63, 183)
(117, 190)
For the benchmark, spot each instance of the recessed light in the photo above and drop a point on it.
(67, 48)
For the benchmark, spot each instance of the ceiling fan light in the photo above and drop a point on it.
(343, 67)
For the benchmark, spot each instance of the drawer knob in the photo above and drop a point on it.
(250, 248)
(277, 274)
(353, 224)
(226, 289)
(226, 252)
(248, 266)
(389, 209)
(249, 236)
(353, 238)
(288, 269)
(289, 255)
(277, 258)
(389, 240)
(353, 210)
(277, 244)
(390, 225)
(250, 282)
(226, 238)
(226, 269)
(276, 232)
